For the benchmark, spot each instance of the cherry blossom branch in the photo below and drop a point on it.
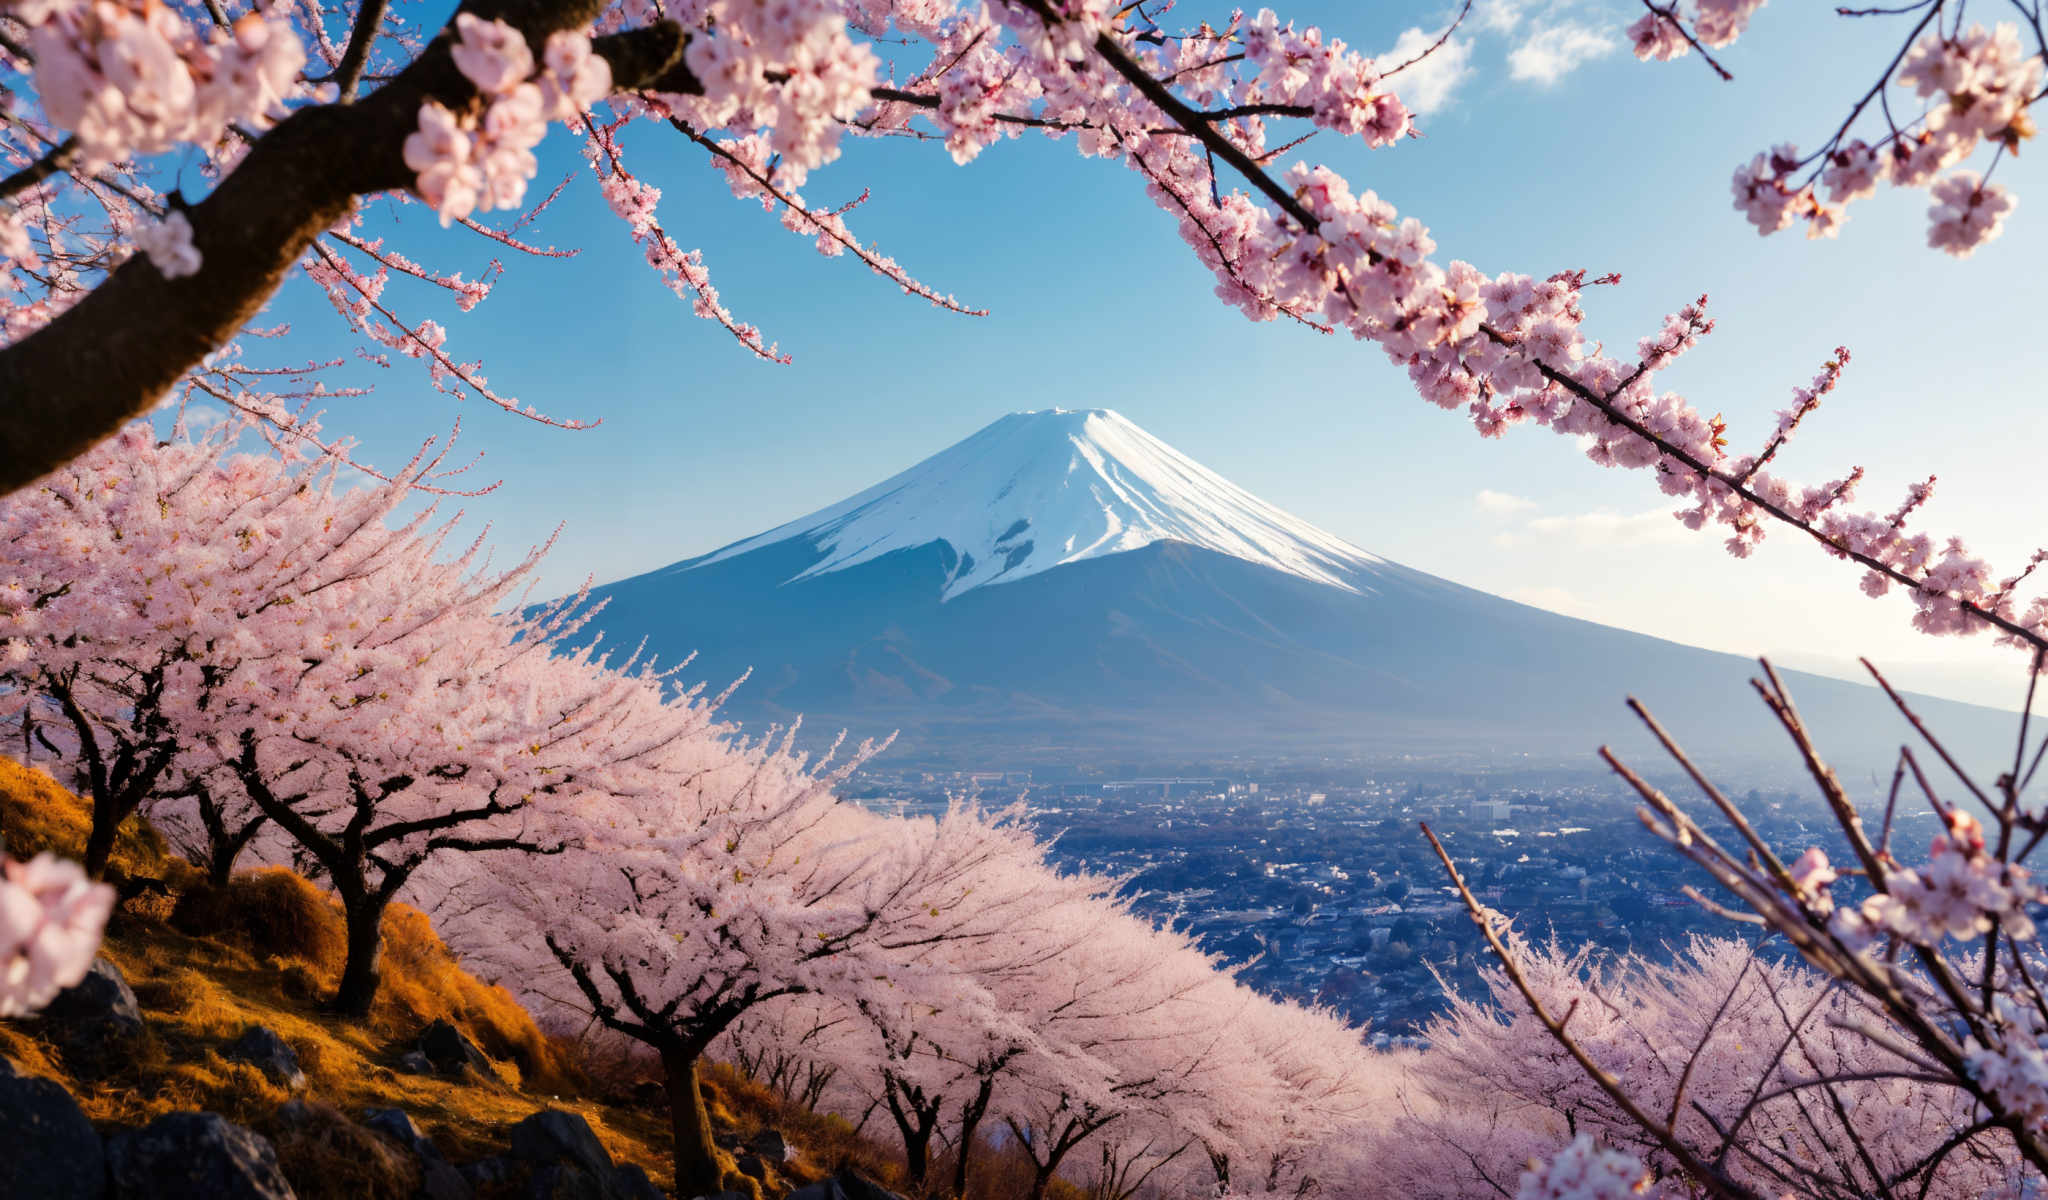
(827, 224)
(1670, 13)
(369, 21)
(55, 160)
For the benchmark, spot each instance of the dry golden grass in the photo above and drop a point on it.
(37, 813)
(266, 949)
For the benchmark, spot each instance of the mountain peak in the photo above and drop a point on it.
(1035, 490)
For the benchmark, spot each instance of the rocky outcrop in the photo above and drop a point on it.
(51, 1149)
(262, 1048)
(451, 1053)
(844, 1186)
(95, 1021)
(439, 1180)
(569, 1163)
(194, 1156)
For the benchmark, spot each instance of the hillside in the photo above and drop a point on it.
(207, 964)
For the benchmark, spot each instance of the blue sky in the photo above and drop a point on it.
(1531, 162)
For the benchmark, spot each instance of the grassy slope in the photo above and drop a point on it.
(206, 964)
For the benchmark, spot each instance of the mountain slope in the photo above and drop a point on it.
(1150, 607)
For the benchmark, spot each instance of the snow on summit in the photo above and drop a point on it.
(1038, 490)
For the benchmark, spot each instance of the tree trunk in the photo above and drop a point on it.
(698, 1171)
(220, 864)
(1041, 1179)
(359, 976)
(99, 843)
(916, 1118)
(970, 1122)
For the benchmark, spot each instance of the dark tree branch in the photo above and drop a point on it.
(111, 356)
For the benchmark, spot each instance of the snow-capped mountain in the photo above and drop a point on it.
(1062, 585)
(1040, 490)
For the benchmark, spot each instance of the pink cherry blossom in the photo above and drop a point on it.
(492, 54)
(51, 917)
(1657, 37)
(168, 243)
(1583, 1171)
(440, 151)
(1967, 212)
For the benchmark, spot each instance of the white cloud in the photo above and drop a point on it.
(1426, 85)
(1615, 529)
(1498, 16)
(1554, 51)
(202, 417)
(1502, 503)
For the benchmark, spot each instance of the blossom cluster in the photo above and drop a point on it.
(789, 70)
(1959, 893)
(51, 918)
(1977, 86)
(468, 161)
(1584, 1171)
(133, 77)
(2016, 1069)
(1340, 86)
(168, 243)
(1716, 23)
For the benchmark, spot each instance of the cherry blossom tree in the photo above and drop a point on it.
(88, 673)
(797, 1048)
(312, 663)
(712, 877)
(207, 818)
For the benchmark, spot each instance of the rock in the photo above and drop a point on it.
(486, 1172)
(194, 1156)
(94, 1019)
(439, 1180)
(396, 1124)
(770, 1145)
(51, 1148)
(554, 1136)
(629, 1182)
(260, 1047)
(752, 1166)
(844, 1186)
(450, 1052)
(565, 1181)
(412, 1062)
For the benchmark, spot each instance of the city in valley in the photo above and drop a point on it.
(1316, 880)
